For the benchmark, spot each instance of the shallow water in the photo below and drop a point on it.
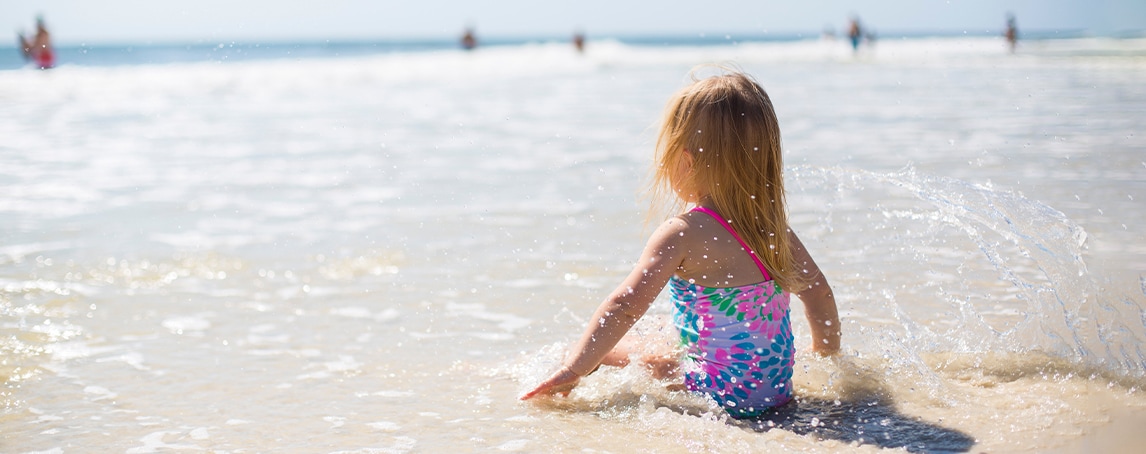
(379, 253)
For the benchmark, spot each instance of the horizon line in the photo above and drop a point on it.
(495, 39)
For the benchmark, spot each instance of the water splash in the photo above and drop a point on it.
(1008, 270)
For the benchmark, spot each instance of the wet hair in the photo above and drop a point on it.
(726, 125)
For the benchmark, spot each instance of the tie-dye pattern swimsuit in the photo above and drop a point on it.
(738, 340)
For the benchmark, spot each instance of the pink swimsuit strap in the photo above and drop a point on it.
(751, 253)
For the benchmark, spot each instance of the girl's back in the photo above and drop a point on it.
(732, 319)
(714, 258)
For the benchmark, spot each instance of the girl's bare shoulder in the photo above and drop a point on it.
(685, 229)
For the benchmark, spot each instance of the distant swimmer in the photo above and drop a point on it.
(469, 41)
(1012, 33)
(579, 41)
(39, 49)
(855, 33)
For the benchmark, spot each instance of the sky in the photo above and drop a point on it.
(145, 21)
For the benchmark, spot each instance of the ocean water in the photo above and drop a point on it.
(379, 252)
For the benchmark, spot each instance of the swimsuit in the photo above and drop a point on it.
(44, 57)
(738, 340)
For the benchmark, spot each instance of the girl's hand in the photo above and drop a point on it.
(561, 382)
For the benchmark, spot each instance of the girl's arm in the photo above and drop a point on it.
(620, 311)
(25, 46)
(819, 302)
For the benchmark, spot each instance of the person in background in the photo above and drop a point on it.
(1012, 33)
(579, 41)
(855, 33)
(39, 49)
(469, 40)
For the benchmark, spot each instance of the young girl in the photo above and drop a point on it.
(731, 260)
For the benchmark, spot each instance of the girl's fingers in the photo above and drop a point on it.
(530, 394)
(545, 387)
(560, 383)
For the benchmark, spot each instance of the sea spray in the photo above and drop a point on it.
(1036, 250)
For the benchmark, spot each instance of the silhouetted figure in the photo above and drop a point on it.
(855, 33)
(1012, 33)
(579, 41)
(39, 49)
(469, 41)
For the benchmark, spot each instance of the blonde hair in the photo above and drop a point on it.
(727, 126)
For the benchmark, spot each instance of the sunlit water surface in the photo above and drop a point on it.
(379, 253)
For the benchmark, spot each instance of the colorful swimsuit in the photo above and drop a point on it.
(45, 58)
(738, 340)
